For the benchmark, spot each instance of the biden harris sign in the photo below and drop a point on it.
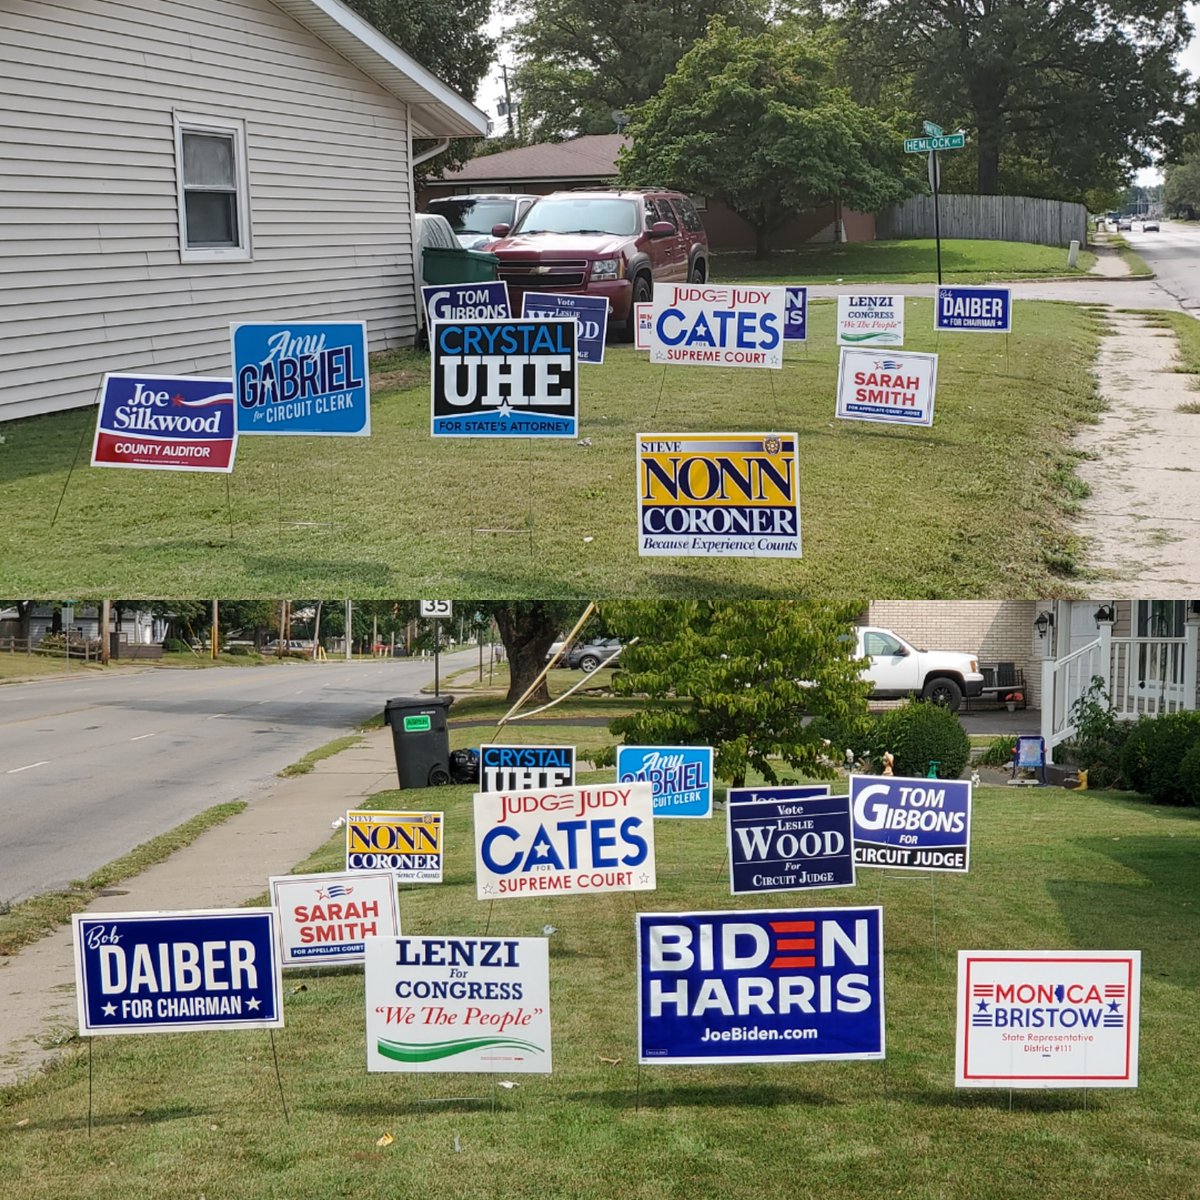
(735, 987)
(569, 841)
(178, 972)
(302, 378)
(733, 495)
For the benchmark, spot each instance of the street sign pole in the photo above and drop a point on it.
(935, 178)
(437, 648)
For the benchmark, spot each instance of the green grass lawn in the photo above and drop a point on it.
(199, 1115)
(909, 261)
(973, 506)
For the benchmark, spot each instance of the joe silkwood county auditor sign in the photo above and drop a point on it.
(735, 495)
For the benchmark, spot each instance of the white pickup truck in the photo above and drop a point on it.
(898, 669)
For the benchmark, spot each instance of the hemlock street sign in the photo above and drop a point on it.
(922, 145)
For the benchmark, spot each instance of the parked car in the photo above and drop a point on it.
(1125, 224)
(897, 669)
(590, 655)
(472, 217)
(604, 243)
(291, 646)
(1150, 227)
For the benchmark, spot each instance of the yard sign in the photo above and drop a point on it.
(711, 326)
(896, 387)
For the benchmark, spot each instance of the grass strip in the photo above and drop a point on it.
(310, 760)
(199, 1114)
(28, 920)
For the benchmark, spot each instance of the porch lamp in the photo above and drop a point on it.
(1044, 621)
(1106, 614)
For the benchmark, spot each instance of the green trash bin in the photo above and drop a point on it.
(441, 265)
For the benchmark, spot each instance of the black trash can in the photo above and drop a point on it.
(420, 739)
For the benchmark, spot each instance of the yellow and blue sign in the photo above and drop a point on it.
(784, 839)
(728, 494)
(302, 378)
(504, 379)
(409, 844)
(591, 313)
(973, 310)
(733, 987)
(911, 824)
(682, 777)
(178, 972)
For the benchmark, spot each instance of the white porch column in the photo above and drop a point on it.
(1191, 633)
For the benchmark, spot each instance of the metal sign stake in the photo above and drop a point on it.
(279, 1078)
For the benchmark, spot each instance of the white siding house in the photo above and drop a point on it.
(170, 166)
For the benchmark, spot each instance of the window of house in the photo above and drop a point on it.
(214, 201)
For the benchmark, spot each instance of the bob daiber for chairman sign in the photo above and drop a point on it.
(732, 494)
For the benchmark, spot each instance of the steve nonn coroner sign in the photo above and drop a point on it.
(496, 379)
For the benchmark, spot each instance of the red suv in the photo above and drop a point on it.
(602, 243)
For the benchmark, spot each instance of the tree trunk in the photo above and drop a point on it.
(526, 628)
(989, 167)
(24, 619)
(762, 241)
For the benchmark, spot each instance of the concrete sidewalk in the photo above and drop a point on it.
(223, 868)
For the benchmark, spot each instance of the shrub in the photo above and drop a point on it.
(175, 646)
(917, 734)
(1099, 737)
(1153, 755)
(842, 735)
(999, 752)
(239, 651)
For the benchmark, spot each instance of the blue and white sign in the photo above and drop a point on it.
(302, 378)
(591, 313)
(175, 972)
(795, 315)
(911, 824)
(503, 379)
(734, 987)
(707, 325)
(895, 387)
(783, 843)
(795, 791)
(466, 301)
(973, 310)
(165, 423)
(681, 777)
(526, 768)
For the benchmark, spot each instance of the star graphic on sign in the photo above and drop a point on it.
(488, 890)
(542, 848)
(982, 1006)
(253, 1004)
(109, 1010)
(643, 878)
(1113, 1006)
(505, 409)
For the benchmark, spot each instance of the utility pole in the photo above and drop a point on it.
(216, 629)
(105, 617)
(507, 99)
(349, 621)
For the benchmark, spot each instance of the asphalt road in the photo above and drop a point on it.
(1173, 254)
(91, 766)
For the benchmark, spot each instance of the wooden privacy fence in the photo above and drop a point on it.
(995, 218)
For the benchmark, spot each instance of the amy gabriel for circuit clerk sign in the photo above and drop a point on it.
(680, 775)
(734, 495)
(498, 379)
(570, 841)
(302, 378)
(785, 986)
(178, 972)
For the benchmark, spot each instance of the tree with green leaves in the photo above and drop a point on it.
(739, 676)
(449, 38)
(755, 123)
(526, 628)
(579, 62)
(1058, 96)
(1181, 182)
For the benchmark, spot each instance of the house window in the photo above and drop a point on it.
(214, 202)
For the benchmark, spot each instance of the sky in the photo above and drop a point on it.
(492, 89)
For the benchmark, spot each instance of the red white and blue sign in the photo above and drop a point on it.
(973, 310)
(302, 378)
(896, 387)
(466, 301)
(796, 791)
(795, 314)
(682, 777)
(165, 423)
(796, 985)
(504, 379)
(911, 824)
(781, 842)
(591, 313)
(178, 972)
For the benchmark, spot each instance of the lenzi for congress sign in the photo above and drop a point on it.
(458, 1004)
(870, 320)
(499, 379)
(680, 775)
(570, 841)
(1048, 1018)
(911, 824)
(787, 986)
(897, 388)
(325, 918)
(165, 423)
(175, 972)
(302, 378)
(703, 325)
(525, 768)
(730, 494)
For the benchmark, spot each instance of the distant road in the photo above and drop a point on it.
(1174, 255)
(91, 765)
